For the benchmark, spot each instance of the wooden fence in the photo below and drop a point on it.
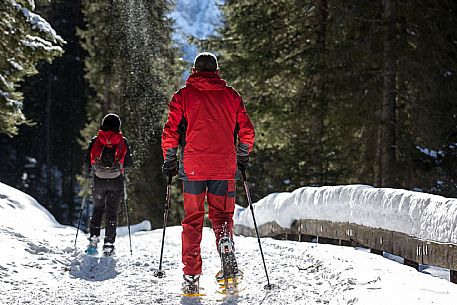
(414, 251)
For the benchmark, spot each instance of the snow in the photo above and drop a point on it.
(36, 42)
(8, 85)
(197, 18)
(420, 215)
(15, 65)
(39, 23)
(430, 152)
(39, 266)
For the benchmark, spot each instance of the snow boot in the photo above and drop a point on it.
(228, 261)
(229, 277)
(92, 247)
(108, 249)
(190, 286)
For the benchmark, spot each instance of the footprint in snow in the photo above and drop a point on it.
(93, 268)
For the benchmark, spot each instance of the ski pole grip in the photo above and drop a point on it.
(243, 173)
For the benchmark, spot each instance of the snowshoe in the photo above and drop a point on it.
(92, 247)
(190, 286)
(108, 249)
(238, 276)
(229, 277)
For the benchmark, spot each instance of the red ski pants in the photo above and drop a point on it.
(221, 204)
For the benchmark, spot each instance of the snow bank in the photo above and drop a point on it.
(20, 211)
(21, 214)
(145, 225)
(421, 215)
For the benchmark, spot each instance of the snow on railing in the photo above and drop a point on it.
(420, 215)
(420, 227)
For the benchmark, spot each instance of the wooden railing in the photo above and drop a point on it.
(413, 250)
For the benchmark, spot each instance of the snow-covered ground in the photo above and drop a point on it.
(38, 266)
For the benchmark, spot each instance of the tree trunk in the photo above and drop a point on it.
(48, 130)
(388, 110)
(322, 12)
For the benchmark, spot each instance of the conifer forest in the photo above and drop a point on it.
(339, 92)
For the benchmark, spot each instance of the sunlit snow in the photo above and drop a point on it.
(38, 265)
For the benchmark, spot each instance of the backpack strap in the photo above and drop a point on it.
(101, 152)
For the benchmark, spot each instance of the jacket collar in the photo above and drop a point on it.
(206, 81)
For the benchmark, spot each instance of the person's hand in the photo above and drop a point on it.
(170, 168)
(242, 162)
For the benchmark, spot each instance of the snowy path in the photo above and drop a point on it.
(38, 266)
(306, 273)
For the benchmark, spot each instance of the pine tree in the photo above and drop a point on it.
(25, 39)
(342, 91)
(131, 69)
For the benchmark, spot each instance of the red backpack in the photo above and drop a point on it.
(107, 154)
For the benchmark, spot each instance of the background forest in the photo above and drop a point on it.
(340, 92)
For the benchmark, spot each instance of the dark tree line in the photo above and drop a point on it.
(44, 158)
(346, 91)
(131, 70)
(339, 91)
(118, 58)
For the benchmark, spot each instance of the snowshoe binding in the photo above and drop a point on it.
(108, 249)
(190, 286)
(229, 277)
(238, 276)
(92, 247)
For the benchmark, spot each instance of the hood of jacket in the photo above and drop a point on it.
(109, 137)
(206, 81)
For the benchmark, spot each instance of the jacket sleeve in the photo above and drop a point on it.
(87, 165)
(128, 159)
(246, 132)
(170, 134)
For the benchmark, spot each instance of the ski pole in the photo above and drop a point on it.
(83, 205)
(160, 273)
(248, 195)
(127, 213)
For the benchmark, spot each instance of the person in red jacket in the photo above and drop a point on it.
(209, 121)
(107, 157)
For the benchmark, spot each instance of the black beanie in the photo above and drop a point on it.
(112, 122)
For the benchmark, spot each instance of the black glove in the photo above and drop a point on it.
(242, 162)
(170, 168)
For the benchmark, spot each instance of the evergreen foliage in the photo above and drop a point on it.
(43, 159)
(339, 92)
(314, 76)
(131, 69)
(25, 39)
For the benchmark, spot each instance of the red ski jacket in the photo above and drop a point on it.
(205, 117)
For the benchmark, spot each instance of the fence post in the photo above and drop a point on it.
(410, 263)
(374, 251)
(453, 276)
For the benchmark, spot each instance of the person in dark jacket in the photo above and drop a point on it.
(106, 159)
(209, 121)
